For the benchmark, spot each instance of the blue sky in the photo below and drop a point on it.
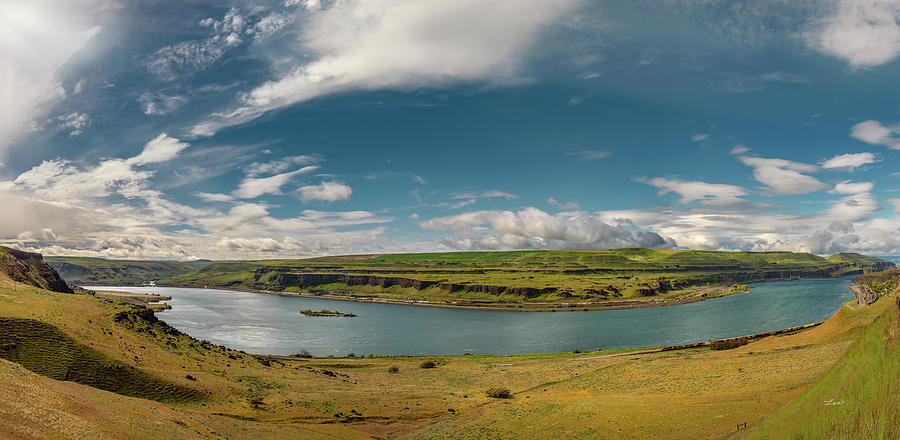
(262, 129)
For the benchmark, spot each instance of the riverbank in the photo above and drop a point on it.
(149, 300)
(689, 393)
(704, 293)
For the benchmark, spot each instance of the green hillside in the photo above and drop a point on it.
(88, 271)
(593, 275)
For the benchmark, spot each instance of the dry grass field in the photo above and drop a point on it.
(204, 391)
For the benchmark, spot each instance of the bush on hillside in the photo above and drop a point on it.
(498, 393)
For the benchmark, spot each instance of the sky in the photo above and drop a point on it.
(247, 129)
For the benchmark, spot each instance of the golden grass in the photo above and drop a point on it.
(684, 394)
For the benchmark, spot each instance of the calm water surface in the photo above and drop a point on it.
(271, 324)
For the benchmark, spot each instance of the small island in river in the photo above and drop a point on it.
(327, 313)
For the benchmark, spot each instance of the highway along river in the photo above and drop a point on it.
(271, 324)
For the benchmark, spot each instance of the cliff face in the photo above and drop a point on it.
(278, 278)
(30, 268)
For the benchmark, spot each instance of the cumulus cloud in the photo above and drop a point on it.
(390, 44)
(161, 149)
(784, 176)
(714, 194)
(36, 38)
(325, 191)
(532, 228)
(873, 132)
(251, 188)
(864, 33)
(849, 162)
(58, 209)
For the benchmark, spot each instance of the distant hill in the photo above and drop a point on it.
(589, 274)
(30, 268)
(99, 271)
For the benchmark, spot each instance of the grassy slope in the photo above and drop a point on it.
(859, 397)
(696, 393)
(576, 275)
(86, 271)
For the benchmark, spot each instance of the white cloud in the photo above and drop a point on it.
(391, 44)
(864, 33)
(873, 132)
(784, 176)
(160, 104)
(269, 25)
(279, 165)
(195, 55)
(225, 33)
(75, 122)
(589, 154)
(849, 162)
(36, 38)
(484, 195)
(419, 179)
(325, 191)
(531, 228)
(714, 194)
(251, 188)
(213, 197)
(60, 180)
(849, 187)
(699, 137)
(896, 204)
(738, 149)
(111, 210)
(568, 206)
(161, 149)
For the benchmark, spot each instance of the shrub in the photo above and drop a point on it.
(255, 401)
(728, 344)
(428, 364)
(189, 377)
(393, 370)
(303, 354)
(499, 393)
(576, 351)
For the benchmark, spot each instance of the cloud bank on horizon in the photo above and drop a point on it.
(288, 128)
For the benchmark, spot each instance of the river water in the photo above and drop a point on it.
(271, 324)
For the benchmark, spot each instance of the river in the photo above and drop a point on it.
(271, 324)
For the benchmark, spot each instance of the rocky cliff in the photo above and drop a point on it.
(30, 268)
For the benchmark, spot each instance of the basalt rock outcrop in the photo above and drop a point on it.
(278, 279)
(30, 268)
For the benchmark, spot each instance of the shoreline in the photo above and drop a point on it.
(520, 307)
(585, 355)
